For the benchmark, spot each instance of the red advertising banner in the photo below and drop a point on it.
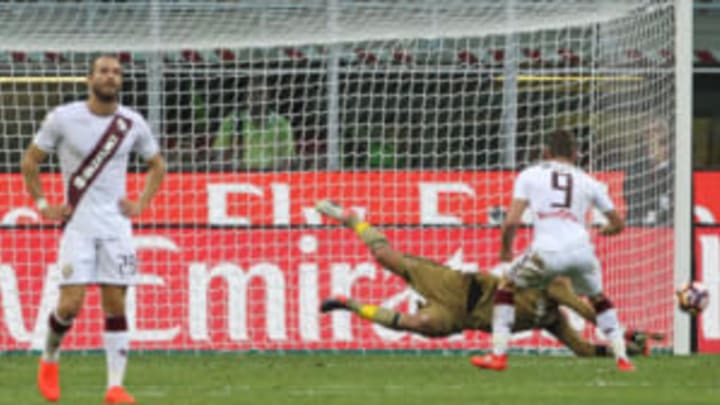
(707, 270)
(239, 289)
(281, 199)
(706, 189)
(233, 266)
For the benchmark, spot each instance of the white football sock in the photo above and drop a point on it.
(503, 320)
(618, 346)
(609, 324)
(116, 349)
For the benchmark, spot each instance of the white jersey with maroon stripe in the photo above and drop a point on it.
(560, 196)
(72, 131)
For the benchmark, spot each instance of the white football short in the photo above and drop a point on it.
(537, 268)
(86, 259)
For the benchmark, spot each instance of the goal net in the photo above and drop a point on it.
(417, 114)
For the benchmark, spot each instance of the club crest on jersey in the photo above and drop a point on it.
(67, 270)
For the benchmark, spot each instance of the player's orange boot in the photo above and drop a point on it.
(625, 365)
(333, 303)
(490, 361)
(48, 380)
(118, 395)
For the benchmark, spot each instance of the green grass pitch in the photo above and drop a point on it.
(181, 379)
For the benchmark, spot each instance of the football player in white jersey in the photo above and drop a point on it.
(93, 140)
(559, 194)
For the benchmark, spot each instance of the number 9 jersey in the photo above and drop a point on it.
(560, 196)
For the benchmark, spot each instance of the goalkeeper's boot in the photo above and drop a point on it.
(332, 210)
(490, 361)
(642, 338)
(48, 380)
(118, 395)
(334, 303)
(624, 365)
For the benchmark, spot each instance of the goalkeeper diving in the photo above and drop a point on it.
(456, 301)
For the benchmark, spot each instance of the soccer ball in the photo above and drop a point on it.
(692, 297)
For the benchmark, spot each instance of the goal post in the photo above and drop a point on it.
(684, 238)
(417, 114)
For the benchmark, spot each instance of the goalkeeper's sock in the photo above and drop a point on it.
(602, 351)
(503, 320)
(373, 313)
(117, 346)
(57, 328)
(634, 349)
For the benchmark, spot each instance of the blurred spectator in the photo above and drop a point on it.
(375, 147)
(649, 182)
(257, 139)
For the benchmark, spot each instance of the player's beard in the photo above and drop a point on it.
(103, 96)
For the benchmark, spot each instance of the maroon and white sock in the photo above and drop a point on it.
(117, 347)
(503, 320)
(57, 328)
(609, 324)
